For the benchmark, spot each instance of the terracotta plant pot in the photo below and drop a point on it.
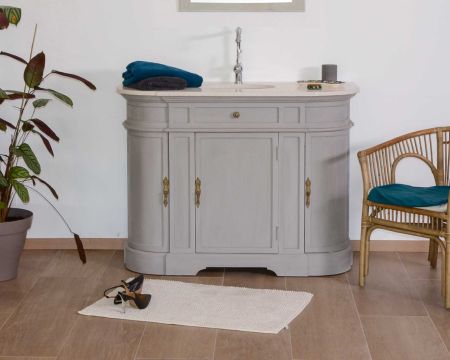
(12, 238)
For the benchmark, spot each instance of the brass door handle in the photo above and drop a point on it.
(236, 115)
(308, 192)
(166, 190)
(198, 191)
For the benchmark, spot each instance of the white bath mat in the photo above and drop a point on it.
(219, 307)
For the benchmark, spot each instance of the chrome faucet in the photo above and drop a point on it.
(238, 67)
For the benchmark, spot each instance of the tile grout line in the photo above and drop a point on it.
(215, 344)
(421, 299)
(355, 307)
(217, 330)
(139, 343)
(289, 328)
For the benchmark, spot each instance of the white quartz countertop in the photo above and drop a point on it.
(286, 89)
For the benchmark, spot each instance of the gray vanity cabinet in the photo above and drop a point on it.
(233, 181)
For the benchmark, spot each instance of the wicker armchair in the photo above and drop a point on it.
(378, 166)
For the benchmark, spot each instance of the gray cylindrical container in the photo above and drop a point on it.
(329, 72)
(12, 239)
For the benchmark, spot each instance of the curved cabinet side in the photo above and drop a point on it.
(148, 222)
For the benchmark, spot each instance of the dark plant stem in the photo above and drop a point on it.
(79, 244)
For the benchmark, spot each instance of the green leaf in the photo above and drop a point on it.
(21, 191)
(30, 159)
(27, 126)
(13, 14)
(3, 94)
(62, 97)
(3, 127)
(19, 172)
(15, 151)
(3, 181)
(2, 205)
(34, 71)
(40, 103)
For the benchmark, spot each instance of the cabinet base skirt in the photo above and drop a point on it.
(313, 264)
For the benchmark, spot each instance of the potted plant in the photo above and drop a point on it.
(19, 167)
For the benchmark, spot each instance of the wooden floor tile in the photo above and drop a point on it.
(95, 338)
(430, 291)
(42, 322)
(418, 267)
(235, 345)
(329, 327)
(32, 264)
(178, 342)
(67, 264)
(388, 290)
(254, 278)
(400, 338)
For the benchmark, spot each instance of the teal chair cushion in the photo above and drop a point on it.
(409, 196)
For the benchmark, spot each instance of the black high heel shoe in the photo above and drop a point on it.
(133, 286)
(136, 300)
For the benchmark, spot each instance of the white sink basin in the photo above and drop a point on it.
(231, 86)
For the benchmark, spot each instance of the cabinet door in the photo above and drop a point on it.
(237, 210)
(326, 217)
(148, 225)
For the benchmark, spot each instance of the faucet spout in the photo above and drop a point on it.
(238, 67)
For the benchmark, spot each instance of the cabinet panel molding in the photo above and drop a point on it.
(239, 191)
(148, 218)
(292, 177)
(182, 211)
(326, 219)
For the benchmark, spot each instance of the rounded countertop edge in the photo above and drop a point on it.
(279, 89)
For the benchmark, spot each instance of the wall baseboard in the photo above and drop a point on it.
(69, 243)
(117, 244)
(395, 245)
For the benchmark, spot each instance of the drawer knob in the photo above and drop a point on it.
(236, 115)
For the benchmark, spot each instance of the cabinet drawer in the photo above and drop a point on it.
(235, 114)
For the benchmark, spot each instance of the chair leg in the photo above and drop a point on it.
(446, 278)
(443, 274)
(362, 255)
(367, 251)
(433, 253)
(430, 249)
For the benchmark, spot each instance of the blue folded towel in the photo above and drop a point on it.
(409, 196)
(140, 70)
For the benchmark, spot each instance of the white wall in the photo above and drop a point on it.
(396, 51)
